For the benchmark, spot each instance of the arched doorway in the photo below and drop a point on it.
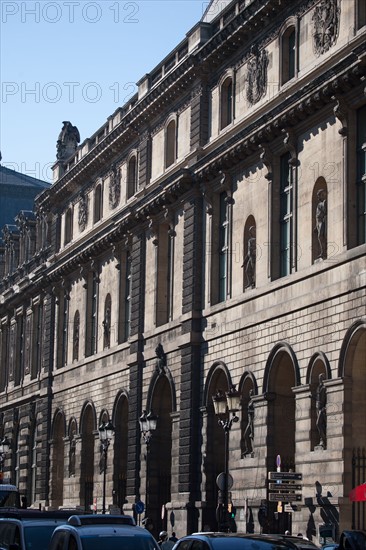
(159, 461)
(352, 370)
(87, 427)
(214, 457)
(281, 375)
(58, 460)
(120, 422)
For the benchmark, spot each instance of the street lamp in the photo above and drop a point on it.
(148, 423)
(106, 432)
(4, 449)
(226, 404)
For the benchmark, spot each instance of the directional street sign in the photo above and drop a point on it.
(284, 487)
(285, 497)
(285, 476)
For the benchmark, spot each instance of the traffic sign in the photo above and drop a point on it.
(284, 487)
(285, 497)
(139, 507)
(285, 476)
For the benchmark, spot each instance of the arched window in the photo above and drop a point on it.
(226, 103)
(68, 226)
(288, 55)
(131, 177)
(170, 144)
(98, 206)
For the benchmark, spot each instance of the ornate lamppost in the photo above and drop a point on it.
(4, 449)
(226, 406)
(106, 433)
(148, 423)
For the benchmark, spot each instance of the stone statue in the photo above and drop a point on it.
(250, 259)
(107, 327)
(249, 430)
(321, 410)
(160, 359)
(67, 142)
(83, 212)
(321, 223)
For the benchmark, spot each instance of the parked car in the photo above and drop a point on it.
(9, 496)
(28, 529)
(234, 541)
(299, 542)
(99, 531)
(330, 546)
(352, 540)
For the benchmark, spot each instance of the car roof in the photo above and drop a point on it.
(28, 513)
(299, 541)
(29, 522)
(106, 528)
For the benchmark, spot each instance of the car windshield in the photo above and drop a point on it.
(38, 537)
(116, 542)
(9, 498)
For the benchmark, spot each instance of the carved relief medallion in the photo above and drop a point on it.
(326, 25)
(256, 78)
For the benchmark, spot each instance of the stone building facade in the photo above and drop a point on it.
(212, 233)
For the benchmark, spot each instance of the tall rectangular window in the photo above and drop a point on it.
(92, 314)
(223, 247)
(65, 319)
(19, 358)
(93, 317)
(286, 189)
(127, 297)
(361, 175)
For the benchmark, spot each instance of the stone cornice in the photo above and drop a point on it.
(319, 93)
(123, 224)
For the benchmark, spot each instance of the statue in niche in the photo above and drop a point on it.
(72, 456)
(326, 25)
(67, 142)
(250, 259)
(114, 187)
(321, 411)
(249, 430)
(160, 359)
(107, 327)
(256, 78)
(321, 223)
(83, 212)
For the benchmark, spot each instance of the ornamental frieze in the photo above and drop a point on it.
(256, 78)
(326, 25)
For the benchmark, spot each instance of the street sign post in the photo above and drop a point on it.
(285, 497)
(284, 487)
(285, 476)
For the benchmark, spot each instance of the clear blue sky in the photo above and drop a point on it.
(76, 60)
